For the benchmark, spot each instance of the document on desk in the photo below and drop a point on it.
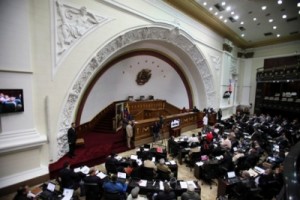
(119, 157)
(101, 175)
(133, 157)
(146, 149)
(191, 183)
(67, 193)
(252, 173)
(161, 185)
(172, 162)
(85, 169)
(183, 184)
(199, 163)
(143, 183)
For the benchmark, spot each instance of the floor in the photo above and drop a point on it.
(184, 173)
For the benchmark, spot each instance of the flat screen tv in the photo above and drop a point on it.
(11, 100)
(175, 123)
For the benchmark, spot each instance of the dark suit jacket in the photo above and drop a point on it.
(72, 135)
(69, 179)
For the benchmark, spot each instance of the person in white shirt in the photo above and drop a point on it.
(205, 122)
(134, 194)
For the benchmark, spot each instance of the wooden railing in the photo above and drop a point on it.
(143, 130)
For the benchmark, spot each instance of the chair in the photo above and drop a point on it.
(163, 176)
(92, 191)
(209, 173)
(112, 196)
(111, 168)
(147, 173)
(194, 157)
(136, 173)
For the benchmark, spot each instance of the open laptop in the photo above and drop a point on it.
(48, 192)
(231, 177)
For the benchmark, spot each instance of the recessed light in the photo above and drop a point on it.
(216, 13)
(270, 20)
(278, 35)
(284, 16)
(254, 19)
(242, 22)
(228, 8)
(236, 17)
(264, 7)
(274, 27)
(223, 3)
(298, 4)
(221, 17)
(279, 2)
(204, 3)
(225, 20)
(210, 8)
(232, 13)
(243, 35)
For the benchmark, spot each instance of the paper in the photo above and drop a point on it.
(51, 187)
(153, 159)
(133, 157)
(76, 170)
(199, 163)
(252, 173)
(85, 169)
(183, 184)
(118, 157)
(231, 174)
(68, 193)
(168, 163)
(101, 175)
(121, 175)
(259, 170)
(143, 183)
(146, 149)
(191, 183)
(172, 162)
(161, 185)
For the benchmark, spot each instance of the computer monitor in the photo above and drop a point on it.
(231, 174)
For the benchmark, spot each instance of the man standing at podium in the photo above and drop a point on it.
(156, 131)
(72, 140)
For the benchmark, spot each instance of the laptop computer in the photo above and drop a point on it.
(231, 177)
(48, 192)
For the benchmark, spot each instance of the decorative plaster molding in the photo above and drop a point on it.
(13, 141)
(71, 25)
(174, 36)
(216, 60)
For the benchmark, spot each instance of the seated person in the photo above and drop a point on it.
(225, 143)
(161, 166)
(209, 137)
(190, 194)
(113, 186)
(68, 178)
(93, 178)
(134, 194)
(194, 149)
(149, 163)
(167, 194)
(112, 164)
(22, 193)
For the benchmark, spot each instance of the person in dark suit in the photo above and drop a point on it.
(72, 140)
(22, 193)
(68, 178)
(93, 185)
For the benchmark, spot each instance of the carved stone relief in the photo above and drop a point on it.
(216, 60)
(173, 36)
(72, 24)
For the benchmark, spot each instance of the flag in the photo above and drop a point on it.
(230, 86)
(126, 111)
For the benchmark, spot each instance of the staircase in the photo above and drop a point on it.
(106, 123)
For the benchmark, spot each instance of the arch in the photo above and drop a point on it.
(172, 35)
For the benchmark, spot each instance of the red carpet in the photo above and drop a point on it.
(96, 148)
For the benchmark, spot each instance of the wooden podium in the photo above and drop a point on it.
(175, 131)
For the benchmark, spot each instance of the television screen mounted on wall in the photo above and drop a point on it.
(11, 100)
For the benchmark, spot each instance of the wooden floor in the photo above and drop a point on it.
(184, 173)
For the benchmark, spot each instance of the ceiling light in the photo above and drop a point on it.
(236, 17)
(204, 3)
(298, 4)
(278, 35)
(216, 13)
(270, 20)
(225, 20)
(279, 2)
(221, 17)
(210, 8)
(228, 8)
(254, 19)
(264, 7)
(274, 27)
(232, 13)
(242, 22)
(243, 35)
(283, 16)
(223, 3)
